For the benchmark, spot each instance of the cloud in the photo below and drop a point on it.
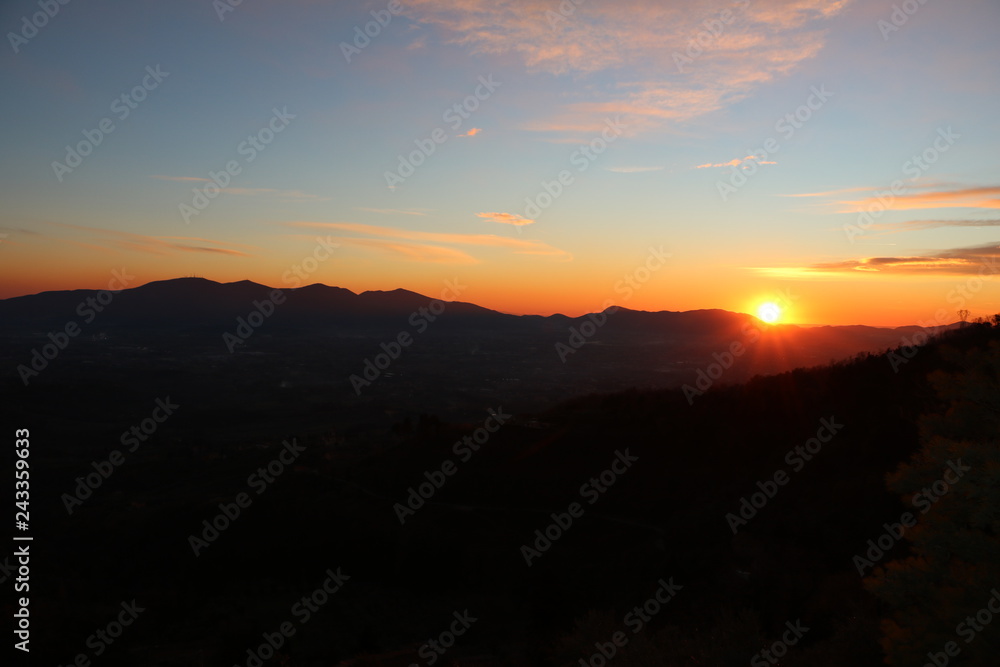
(472, 132)
(633, 170)
(681, 70)
(982, 259)
(105, 239)
(180, 178)
(735, 162)
(517, 246)
(913, 225)
(977, 197)
(415, 251)
(389, 211)
(931, 196)
(506, 218)
(297, 195)
(828, 193)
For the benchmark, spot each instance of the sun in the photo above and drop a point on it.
(769, 312)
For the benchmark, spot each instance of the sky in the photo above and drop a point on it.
(840, 159)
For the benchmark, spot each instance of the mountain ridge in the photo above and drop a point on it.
(397, 301)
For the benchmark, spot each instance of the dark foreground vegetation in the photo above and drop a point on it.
(758, 515)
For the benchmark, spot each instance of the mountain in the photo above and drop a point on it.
(444, 356)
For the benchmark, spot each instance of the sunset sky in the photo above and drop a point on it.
(743, 139)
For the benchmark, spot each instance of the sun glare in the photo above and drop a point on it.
(769, 312)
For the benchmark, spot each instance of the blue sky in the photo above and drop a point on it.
(562, 77)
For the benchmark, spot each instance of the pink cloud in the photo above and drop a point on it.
(506, 218)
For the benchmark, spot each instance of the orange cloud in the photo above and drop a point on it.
(518, 246)
(415, 251)
(983, 260)
(979, 197)
(472, 132)
(912, 225)
(506, 218)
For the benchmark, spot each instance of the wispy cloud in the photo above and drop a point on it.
(634, 170)
(765, 40)
(914, 225)
(928, 195)
(959, 261)
(180, 178)
(472, 132)
(296, 195)
(978, 197)
(828, 193)
(417, 252)
(735, 162)
(517, 246)
(105, 239)
(507, 218)
(390, 211)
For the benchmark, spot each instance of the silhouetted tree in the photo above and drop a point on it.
(953, 486)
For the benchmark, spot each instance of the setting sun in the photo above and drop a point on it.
(769, 312)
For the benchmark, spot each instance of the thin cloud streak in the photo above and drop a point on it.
(507, 218)
(518, 246)
(982, 259)
(155, 245)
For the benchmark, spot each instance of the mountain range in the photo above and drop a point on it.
(457, 353)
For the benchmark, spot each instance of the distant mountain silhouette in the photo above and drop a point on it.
(455, 343)
(197, 301)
